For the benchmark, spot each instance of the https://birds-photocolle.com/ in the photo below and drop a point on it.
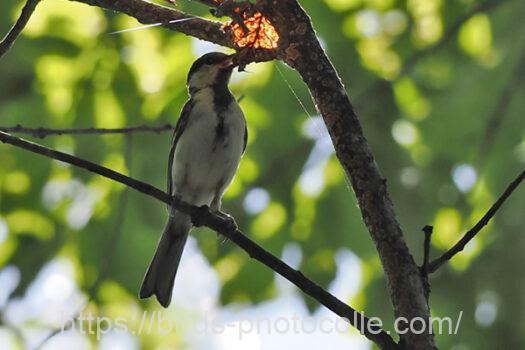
(208, 143)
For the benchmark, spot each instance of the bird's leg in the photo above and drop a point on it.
(215, 206)
(231, 225)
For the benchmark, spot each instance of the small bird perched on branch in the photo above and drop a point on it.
(208, 143)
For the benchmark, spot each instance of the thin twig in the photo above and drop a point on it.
(221, 225)
(500, 110)
(19, 25)
(470, 234)
(43, 132)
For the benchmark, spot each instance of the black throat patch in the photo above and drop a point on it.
(222, 98)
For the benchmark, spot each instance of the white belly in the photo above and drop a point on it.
(204, 164)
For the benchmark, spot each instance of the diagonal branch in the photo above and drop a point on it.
(19, 25)
(306, 55)
(470, 234)
(44, 132)
(221, 225)
(499, 112)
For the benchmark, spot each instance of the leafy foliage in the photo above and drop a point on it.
(425, 123)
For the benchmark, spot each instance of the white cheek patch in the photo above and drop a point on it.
(203, 78)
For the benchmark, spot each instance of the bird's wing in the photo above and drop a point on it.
(245, 138)
(179, 129)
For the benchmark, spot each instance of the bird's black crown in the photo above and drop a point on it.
(208, 59)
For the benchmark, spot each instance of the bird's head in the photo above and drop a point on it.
(211, 69)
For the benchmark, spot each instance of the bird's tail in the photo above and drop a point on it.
(161, 273)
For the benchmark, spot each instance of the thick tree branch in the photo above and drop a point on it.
(19, 25)
(306, 55)
(44, 132)
(221, 225)
(470, 234)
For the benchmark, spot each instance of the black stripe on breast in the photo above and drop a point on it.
(222, 98)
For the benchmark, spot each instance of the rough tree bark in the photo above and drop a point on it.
(305, 54)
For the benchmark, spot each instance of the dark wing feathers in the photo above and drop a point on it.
(179, 128)
(245, 138)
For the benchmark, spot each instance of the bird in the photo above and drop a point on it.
(208, 142)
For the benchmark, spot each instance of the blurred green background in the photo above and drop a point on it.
(439, 90)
